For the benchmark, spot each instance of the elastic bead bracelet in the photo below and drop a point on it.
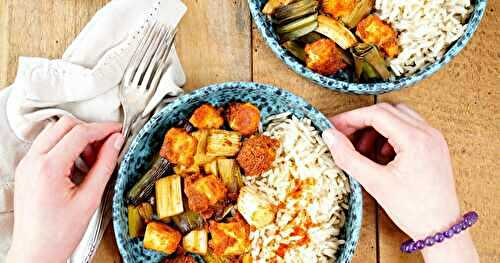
(467, 221)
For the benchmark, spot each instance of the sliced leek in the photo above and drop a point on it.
(223, 143)
(369, 63)
(188, 221)
(146, 211)
(143, 189)
(169, 196)
(296, 49)
(337, 32)
(230, 174)
(196, 242)
(272, 5)
(294, 11)
(135, 222)
(361, 9)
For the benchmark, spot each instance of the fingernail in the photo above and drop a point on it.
(119, 142)
(329, 137)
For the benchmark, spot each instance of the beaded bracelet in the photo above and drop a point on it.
(468, 220)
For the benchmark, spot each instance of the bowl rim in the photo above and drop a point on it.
(118, 199)
(367, 88)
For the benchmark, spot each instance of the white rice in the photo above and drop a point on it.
(318, 208)
(426, 29)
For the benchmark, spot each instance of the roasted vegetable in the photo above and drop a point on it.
(169, 196)
(361, 9)
(208, 187)
(247, 258)
(143, 189)
(324, 57)
(196, 242)
(229, 239)
(257, 154)
(223, 143)
(226, 211)
(296, 49)
(135, 222)
(186, 170)
(368, 63)
(201, 157)
(188, 221)
(211, 168)
(207, 117)
(337, 8)
(337, 32)
(230, 174)
(309, 38)
(272, 5)
(178, 147)
(161, 238)
(255, 207)
(211, 258)
(297, 28)
(146, 211)
(294, 11)
(373, 30)
(243, 117)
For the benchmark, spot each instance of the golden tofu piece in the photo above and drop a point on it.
(338, 8)
(257, 154)
(204, 192)
(161, 238)
(323, 56)
(255, 207)
(243, 117)
(179, 147)
(207, 117)
(229, 239)
(373, 30)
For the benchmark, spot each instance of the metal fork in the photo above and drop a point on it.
(144, 72)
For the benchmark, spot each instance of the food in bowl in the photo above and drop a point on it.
(378, 39)
(225, 191)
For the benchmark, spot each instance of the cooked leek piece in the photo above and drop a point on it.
(188, 221)
(337, 32)
(294, 11)
(297, 28)
(211, 168)
(272, 5)
(143, 189)
(296, 50)
(369, 63)
(135, 222)
(183, 170)
(162, 238)
(255, 207)
(211, 258)
(230, 174)
(309, 38)
(361, 9)
(196, 242)
(223, 143)
(146, 211)
(201, 157)
(169, 196)
(221, 214)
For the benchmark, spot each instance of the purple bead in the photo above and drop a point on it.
(439, 237)
(413, 248)
(457, 228)
(420, 244)
(470, 218)
(429, 241)
(449, 233)
(406, 246)
(464, 225)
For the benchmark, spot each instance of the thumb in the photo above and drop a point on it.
(95, 182)
(348, 159)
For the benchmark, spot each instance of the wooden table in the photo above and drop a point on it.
(217, 42)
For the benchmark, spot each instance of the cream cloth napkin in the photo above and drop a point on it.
(84, 84)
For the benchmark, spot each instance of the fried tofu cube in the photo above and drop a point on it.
(223, 143)
(257, 154)
(255, 207)
(162, 238)
(243, 117)
(323, 56)
(229, 239)
(373, 30)
(179, 147)
(207, 117)
(338, 8)
(203, 192)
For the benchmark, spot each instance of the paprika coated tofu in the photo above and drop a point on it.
(338, 8)
(161, 238)
(255, 207)
(373, 30)
(179, 147)
(243, 117)
(257, 154)
(229, 239)
(204, 191)
(323, 56)
(207, 117)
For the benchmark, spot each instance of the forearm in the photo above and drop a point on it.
(459, 248)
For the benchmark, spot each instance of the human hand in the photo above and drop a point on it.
(416, 188)
(51, 213)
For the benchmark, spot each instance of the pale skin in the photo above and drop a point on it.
(415, 186)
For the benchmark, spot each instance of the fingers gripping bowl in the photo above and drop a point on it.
(428, 33)
(270, 101)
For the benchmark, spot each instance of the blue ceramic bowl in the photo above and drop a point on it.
(269, 100)
(341, 82)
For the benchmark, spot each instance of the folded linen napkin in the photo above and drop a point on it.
(84, 84)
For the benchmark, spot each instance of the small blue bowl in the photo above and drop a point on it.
(269, 100)
(340, 83)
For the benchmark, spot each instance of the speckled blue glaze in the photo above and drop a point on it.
(341, 82)
(269, 100)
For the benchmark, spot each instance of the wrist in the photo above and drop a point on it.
(460, 248)
(29, 254)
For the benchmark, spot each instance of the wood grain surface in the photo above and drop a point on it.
(218, 42)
